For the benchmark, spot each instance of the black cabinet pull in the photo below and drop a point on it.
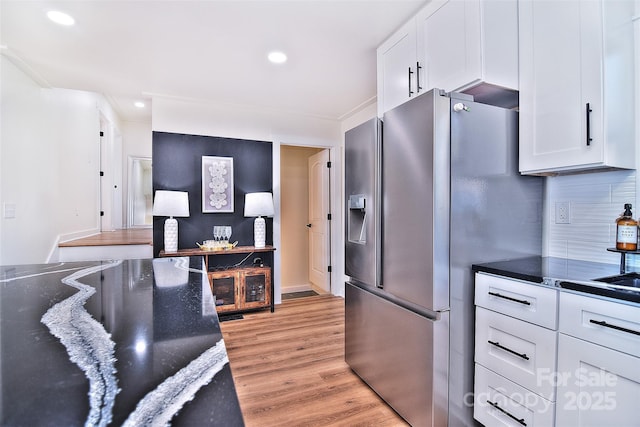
(521, 301)
(495, 405)
(497, 344)
(616, 327)
(589, 110)
(410, 91)
(418, 68)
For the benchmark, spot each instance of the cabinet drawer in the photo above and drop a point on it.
(500, 402)
(607, 323)
(520, 351)
(523, 300)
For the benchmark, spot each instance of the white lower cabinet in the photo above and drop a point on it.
(597, 386)
(500, 402)
(584, 373)
(515, 352)
(598, 375)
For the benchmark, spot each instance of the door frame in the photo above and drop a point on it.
(326, 153)
(335, 207)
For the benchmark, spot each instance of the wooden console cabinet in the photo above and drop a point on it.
(238, 288)
(243, 288)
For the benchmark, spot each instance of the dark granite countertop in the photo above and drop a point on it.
(564, 273)
(133, 342)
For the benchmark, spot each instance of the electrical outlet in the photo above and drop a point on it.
(563, 212)
(9, 210)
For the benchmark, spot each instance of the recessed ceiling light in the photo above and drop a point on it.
(139, 104)
(277, 57)
(60, 17)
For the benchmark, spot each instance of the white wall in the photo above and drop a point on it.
(49, 157)
(231, 121)
(281, 128)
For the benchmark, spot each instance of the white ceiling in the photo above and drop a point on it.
(207, 50)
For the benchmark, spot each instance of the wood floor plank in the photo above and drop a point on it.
(289, 368)
(128, 236)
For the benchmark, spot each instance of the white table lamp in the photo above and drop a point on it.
(258, 205)
(171, 203)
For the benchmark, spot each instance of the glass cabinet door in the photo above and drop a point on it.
(225, 289)
(256, 287)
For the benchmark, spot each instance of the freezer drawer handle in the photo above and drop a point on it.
(495, 405)
(521, 301)
(616, 327)
(497, 344)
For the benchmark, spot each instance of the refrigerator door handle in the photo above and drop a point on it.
(419, 310)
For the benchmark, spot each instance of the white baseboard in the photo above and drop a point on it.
(63, 238)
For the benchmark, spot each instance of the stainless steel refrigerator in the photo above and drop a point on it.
(437, 191)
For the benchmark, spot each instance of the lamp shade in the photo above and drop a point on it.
(171, 203)
(258, 204)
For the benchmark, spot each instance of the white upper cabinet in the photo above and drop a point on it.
(452, 45)
(397, 67)
(465, 42)
(576, 85)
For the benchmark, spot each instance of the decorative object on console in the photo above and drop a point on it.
(171, 203)
(217, 184)
(258, 205)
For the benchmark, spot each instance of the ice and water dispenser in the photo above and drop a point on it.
(356, 220)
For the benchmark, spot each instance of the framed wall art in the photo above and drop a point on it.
(217, 184)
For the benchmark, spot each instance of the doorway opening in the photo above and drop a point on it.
(305, 224)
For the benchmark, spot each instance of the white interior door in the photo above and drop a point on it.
(106, 177)
(319, 225)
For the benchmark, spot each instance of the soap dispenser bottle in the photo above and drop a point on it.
(627, 231)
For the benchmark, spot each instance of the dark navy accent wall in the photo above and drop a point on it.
(177, 165)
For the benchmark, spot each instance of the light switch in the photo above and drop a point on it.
(9, 210)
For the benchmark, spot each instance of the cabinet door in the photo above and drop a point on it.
(464, 43)
(256, 287)
(560, 74)
(449, 43)
(225, 287)
(597, 386)
(397, 65)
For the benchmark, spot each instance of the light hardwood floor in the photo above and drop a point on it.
(127, 236)
(289, 368)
